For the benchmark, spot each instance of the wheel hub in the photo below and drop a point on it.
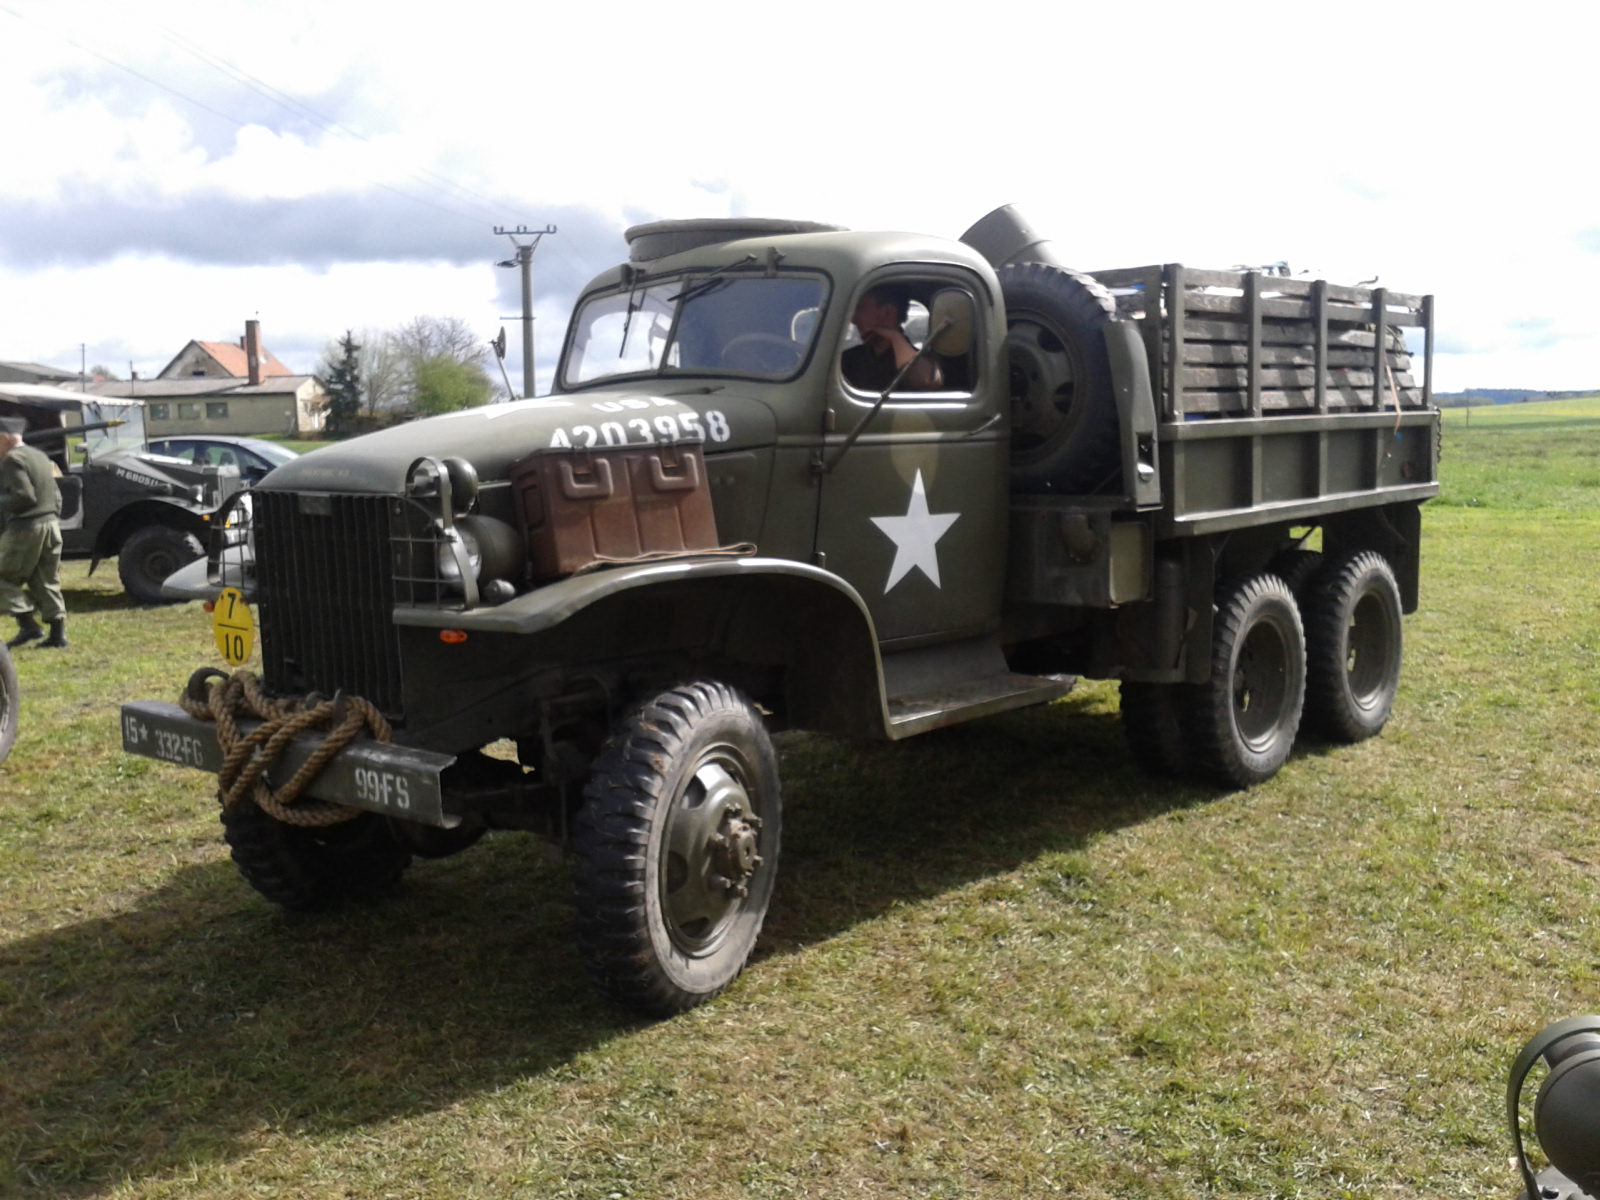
(733, 852)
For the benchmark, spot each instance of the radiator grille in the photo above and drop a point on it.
(325, 586)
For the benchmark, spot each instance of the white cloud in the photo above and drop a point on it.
(1440, 151)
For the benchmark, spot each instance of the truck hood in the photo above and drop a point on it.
(172, 476)
(494, 437)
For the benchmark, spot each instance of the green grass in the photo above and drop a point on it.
(1001, 962)
(1542, 455)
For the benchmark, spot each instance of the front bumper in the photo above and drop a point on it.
(397, 781)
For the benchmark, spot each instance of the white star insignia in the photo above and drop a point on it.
(915, 536)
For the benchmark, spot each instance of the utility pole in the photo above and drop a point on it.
(524, 259)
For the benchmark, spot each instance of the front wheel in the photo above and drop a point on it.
(1241, 723)
(8, 703)
(150, 556)
(313, 868)
(677, 848)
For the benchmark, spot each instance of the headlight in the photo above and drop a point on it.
(493, 550)
(450, 565)
(428, 477)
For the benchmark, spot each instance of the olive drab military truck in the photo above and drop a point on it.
(729, 519)
(118, 500)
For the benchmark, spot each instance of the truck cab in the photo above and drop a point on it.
(899, 492)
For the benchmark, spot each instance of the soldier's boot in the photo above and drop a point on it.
(27, 631)
(58, 634)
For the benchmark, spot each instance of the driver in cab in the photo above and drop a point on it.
(879, 318)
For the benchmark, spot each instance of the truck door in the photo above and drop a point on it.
(913, 512)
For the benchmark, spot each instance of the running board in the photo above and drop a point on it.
(933, 686)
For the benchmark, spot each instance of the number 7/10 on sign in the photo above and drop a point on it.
(233, 627)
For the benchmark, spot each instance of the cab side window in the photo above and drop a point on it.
(886, 344)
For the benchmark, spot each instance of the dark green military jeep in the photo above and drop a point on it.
(149, 512)
(723, 523)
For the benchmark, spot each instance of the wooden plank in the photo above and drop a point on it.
(1295, 400)
(1287, 333)
(1206, 378)
(1288, 285)
(1201, 354)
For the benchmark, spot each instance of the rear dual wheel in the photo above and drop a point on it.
(1353, 646)
(1240, 725)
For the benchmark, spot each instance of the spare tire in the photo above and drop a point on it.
(1063, 406)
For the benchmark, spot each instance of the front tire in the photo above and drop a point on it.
(1241, 723)
(677, 848)
(312, 869)
(150, 556)
(1353, 647)
(9, 702)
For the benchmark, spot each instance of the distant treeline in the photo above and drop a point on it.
(1503, 396)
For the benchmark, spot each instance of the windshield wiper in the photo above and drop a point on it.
(711, 282)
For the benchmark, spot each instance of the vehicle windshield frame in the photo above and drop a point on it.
(661, 303)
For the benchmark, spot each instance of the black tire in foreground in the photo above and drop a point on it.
(1152, 723)
(1241, 724)
(1063, 407)
(9, 703)
(1353, 646)
(677, 848)
(150, 556)
(311, 869)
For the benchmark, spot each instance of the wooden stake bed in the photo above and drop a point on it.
(1239, 343)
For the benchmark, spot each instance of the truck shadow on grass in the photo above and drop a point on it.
(91, 599)
(203, 1023)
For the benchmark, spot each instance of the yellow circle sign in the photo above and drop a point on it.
(233, 627)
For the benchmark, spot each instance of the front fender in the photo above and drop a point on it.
(767, 610)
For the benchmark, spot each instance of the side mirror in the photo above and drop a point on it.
(952, 319)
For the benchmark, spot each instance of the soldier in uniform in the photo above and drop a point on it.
(30, 539)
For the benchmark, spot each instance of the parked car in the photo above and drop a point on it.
(253, 456)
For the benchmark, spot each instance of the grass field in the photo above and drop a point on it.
(1001, 962)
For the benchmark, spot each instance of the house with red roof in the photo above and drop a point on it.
(224, 387)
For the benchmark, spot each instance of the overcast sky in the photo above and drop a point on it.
(170, 169)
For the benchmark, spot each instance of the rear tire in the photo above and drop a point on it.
(1353, 647)
(677, 848)
(1240, 725)
(1152, 722)
(1063, 406)
(150, 556)
(311, 869)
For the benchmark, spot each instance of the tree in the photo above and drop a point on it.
(342, 382)
(385, 377)
(440, 337)
(443, 384)
(102, 372)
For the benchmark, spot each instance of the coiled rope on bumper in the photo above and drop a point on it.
(213, 695)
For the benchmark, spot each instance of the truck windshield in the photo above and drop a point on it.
(735, 324)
